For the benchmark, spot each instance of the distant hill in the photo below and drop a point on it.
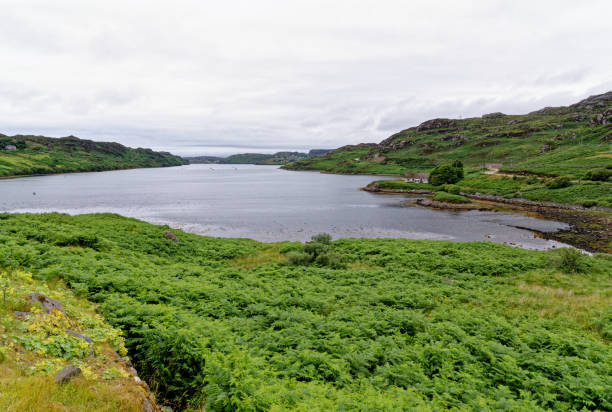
(551, 141)
(279, 158)
(27, 155)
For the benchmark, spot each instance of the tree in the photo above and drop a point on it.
(445, 174)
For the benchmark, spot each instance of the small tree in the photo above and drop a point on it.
(445, 174)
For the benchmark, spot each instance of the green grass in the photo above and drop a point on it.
(450, 198)
(229, 324)
(44, 155)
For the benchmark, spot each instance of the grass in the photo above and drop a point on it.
(228, 324)
(450, 198)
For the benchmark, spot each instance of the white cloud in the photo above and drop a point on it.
(193, 76)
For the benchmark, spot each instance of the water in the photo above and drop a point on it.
(263, 203)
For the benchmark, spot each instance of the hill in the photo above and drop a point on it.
(353, 324)
(279, 158)
(28, 155)
(552, 141)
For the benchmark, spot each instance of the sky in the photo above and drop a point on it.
(215, 78)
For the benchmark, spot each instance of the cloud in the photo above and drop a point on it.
(286, 75)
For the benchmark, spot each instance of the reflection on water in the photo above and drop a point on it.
(263, 203)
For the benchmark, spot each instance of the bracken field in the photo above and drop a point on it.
(351, 324)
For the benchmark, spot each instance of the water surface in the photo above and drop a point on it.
(263, 203)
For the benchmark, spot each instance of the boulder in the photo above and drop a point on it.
(436, 124)
(171, 236)
(46, 302)
(67, 374)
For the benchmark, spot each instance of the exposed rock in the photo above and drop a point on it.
(84, 337)
(22, 315)
(47, 303)
(171, 236)
(127, 361)
(166, 409)
(547, 147)
(67, 374)
(147, 406)
(436, 124)
(602, 118)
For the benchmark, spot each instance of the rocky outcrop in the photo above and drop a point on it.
(66, 374)
(436, 124)
(47, 303)
(495, 115)
(171, 236)
(602, 118)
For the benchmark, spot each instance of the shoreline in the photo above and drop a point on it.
(589, 229)
(85, 171)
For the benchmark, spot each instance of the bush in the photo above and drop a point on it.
(299, 258)
(449, 198)
(571, 260)
(589, 203)
(454, 189)
(324, 238)
(444, 174)
(315, 248)
(559, 183)
(331, 260)
(599, 175)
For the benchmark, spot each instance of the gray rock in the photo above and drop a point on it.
(67, 374)
(171, 236)
(127, 361)
(22, 315)
(46, 302)
(84, 337)
(147, 406)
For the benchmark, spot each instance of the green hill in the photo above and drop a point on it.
(27, 155)
(355, 324)
(553, 141)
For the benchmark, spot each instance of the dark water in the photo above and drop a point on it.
(261, 202)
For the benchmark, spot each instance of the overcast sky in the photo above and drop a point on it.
(219, 77)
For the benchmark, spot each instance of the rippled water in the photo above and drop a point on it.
(261, 202)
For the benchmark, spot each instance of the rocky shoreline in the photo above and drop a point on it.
(589, 229)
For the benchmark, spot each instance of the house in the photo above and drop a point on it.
(10, 147)
(417, 177)
(493, 166)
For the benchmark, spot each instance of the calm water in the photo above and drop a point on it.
(260, 202)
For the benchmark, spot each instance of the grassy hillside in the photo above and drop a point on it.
(34, 347)
(553, 141)
(44, 155)
(370, 324)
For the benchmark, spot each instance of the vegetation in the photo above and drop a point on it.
(232, 324)
(44, 155)
(573, 141)
(447, 174)
(35, 346)
(450, 198)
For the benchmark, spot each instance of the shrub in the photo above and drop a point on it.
(299, 258)
(571, 260)
(454, 189)
(331, 260)
(445, 174)
(559, 183)
(589, 203)
(599, 175)
(324, 238)
(450, 198)
(315, 248)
